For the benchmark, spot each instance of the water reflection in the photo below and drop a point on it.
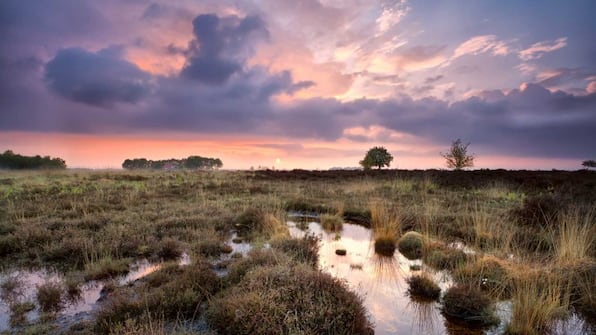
(76, 305)
(379, 280)
(426, 317)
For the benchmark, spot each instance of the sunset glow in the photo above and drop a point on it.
(299, 84)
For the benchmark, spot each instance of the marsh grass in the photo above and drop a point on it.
(538, 300)
(411, 245)
(105, 268)
(332, 223)
(575, 235)
(18, 312)
(11, 289)
(303, 250)
(469, 305)
(386, 227)
(49, 297)
(489, 273)
(421, 287)
(77, 220)
(288, 300)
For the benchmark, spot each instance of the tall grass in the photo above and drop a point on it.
(575, 235)
(386, 227)
(538, 300)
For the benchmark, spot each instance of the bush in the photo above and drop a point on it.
(421, 287)
(288, 300)
(411, 245)
(469, 305)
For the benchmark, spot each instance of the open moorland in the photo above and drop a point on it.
(260, 252)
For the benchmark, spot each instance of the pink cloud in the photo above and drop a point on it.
(482, 44)
(537, 50)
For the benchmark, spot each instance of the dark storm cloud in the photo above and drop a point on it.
(532, 122)
(99, 79)
(221, 47)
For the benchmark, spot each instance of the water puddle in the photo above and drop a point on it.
(74, 310)
(381, 281)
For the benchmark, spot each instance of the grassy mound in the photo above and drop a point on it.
(421, 287)
(288, 300)
(469, 305)
(411, 245)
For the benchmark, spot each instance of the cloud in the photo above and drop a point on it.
(221, 47)
(556, 78)
(391, 16)
(482, 44)
(99, 79)
(421, 57)
(537, 50)
(431, 80)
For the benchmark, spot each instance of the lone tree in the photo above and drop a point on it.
(376, 156)
(457, 157)
(589, 164)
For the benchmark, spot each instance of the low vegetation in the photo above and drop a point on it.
(411, 245)
(468, 304)
(423, 288)
(94, 225)
(288, 299)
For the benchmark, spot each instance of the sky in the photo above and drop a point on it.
(299, 84)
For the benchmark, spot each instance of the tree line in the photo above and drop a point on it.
(10, 160)
(191, 162)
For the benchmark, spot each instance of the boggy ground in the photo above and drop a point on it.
(533, 233)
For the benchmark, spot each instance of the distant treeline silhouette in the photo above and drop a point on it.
(10, 160)
(191, 162)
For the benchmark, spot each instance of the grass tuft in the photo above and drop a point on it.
(386, 226)
(49, 297)
(411, 245)
(332, 223)
(469, 305)
(538, 300)
(423, 288)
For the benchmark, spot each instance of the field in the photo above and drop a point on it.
(524, 238)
